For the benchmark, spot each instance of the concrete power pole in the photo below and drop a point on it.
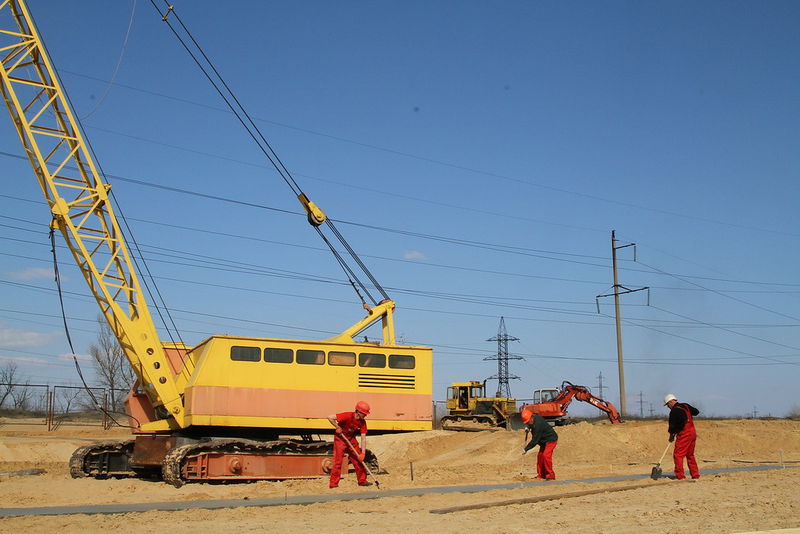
(618, 318)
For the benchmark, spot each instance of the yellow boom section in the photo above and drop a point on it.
(78, 199)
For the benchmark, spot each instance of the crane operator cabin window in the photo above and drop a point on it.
(399, 361)
(342, 358)
(246, 354)
(311, 357)
(278, 355)
(369, 359)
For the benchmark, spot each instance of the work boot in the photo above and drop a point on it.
(365, 483)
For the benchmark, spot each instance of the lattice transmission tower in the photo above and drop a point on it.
(502, 357)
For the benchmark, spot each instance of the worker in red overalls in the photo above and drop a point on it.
(682, 432)
(348, 424)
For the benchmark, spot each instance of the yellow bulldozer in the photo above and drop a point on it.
(469, 409)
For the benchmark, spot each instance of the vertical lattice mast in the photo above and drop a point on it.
(502, 357)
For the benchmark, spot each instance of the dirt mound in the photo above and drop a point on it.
(716, 503)
(602, 449)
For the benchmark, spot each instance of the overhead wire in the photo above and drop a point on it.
(86, 387)
(505, 248)
(210, 262)
(91, 151)
(740, 301)
(726, 329)
(461, 167)
(218, 82)
(720, 293)
(153, 292)
(116, 68)
(686, 338)
(773, 359)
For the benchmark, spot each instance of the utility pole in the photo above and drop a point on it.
(616, 294)
(502, 357)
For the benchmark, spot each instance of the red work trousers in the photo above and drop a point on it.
(684, 448)
(339, 448)
(544, 461)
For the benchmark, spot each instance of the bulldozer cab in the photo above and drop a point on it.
(467, 403)
(545, 395)
(462, 395)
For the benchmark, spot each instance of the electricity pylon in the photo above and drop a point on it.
(502, 357)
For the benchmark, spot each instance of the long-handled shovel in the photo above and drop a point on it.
(656, 472)
(354, 454)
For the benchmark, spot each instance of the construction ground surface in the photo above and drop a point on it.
(603, 485)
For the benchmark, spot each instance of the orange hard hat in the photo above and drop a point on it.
(362, 407)
(526, 416)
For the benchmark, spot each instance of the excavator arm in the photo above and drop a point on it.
(556, 408)
(581, 393)
(79, 203)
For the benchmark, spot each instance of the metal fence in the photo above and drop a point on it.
(63, 405)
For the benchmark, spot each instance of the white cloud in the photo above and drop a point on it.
(20, 338)
(413, 255)
(33, 273)
(24, 360)
(67, 357)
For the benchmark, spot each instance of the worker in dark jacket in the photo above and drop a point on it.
(682, 432)
(546, 438)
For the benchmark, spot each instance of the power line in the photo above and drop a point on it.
(488, 174)
(457, 241)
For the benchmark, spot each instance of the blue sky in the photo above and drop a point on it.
(527, 132)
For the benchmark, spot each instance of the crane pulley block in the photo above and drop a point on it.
(315, 215)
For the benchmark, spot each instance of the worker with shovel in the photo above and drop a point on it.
(546, 438)
(682, 432)
(348, 424)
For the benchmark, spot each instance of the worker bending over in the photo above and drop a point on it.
(682, 432)
(546, 438)
(348, 424)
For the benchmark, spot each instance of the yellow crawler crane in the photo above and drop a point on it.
(214, 411)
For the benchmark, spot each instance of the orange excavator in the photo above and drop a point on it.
(552, 403)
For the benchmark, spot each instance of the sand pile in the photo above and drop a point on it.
(732, 502)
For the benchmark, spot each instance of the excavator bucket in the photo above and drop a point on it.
(514, 422)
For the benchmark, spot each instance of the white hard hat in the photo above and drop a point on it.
(669, 397)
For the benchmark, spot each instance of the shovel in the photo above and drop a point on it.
(354, 454)
(656, 472)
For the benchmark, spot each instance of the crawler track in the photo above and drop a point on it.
(188, 462)
(219, 459)
(102, 460)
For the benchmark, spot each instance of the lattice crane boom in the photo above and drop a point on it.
(78, 198)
